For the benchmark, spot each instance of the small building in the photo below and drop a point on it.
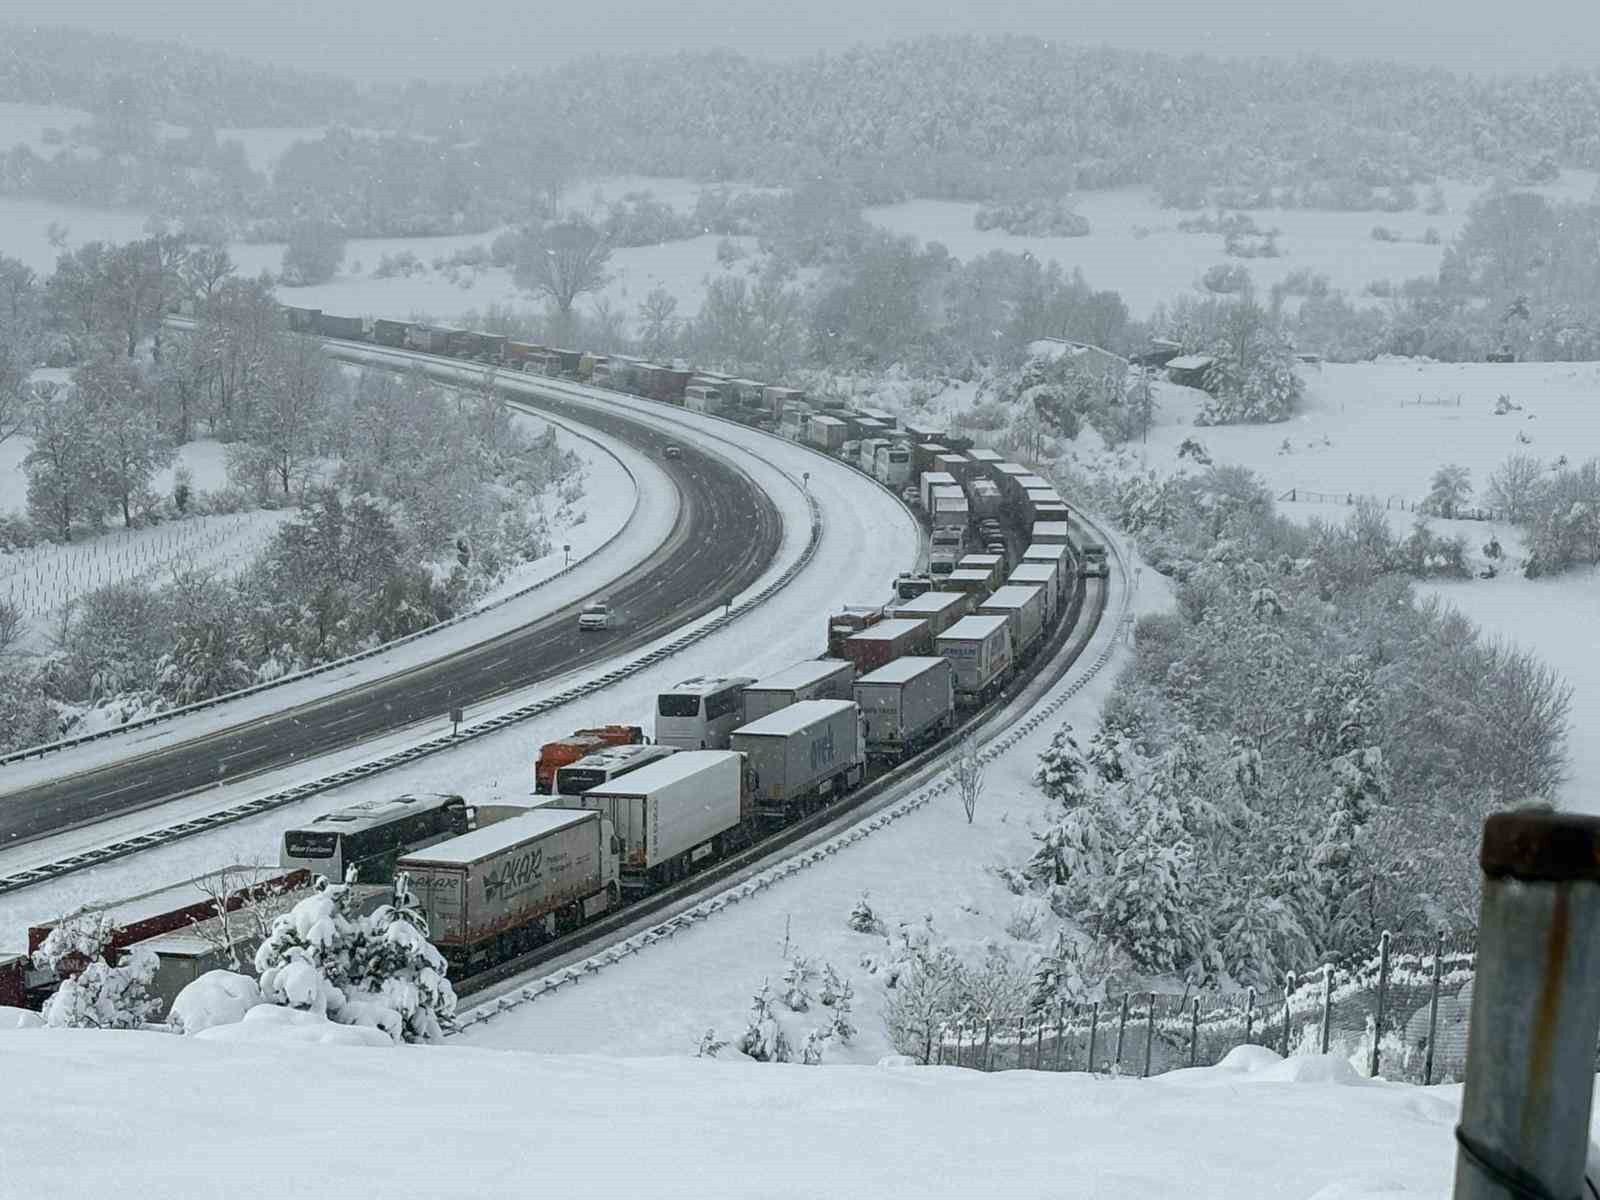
(1190, 370)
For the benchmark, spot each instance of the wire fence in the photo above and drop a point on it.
(1299, 495)
(1401, 1014)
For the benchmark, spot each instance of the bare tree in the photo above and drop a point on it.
(13, 393)
(1513, 488)
(10, 625)
(245, 899)
(968, 774)
(206, 266)
(564, 261)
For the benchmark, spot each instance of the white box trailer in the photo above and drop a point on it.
(825, 433)
(906, 705)
(994, 564)
(1023, 609)
(514, 883)
(979, 650)
(673, 813)
(1057, 558)
(814, 679)
(1051, 533)
(807, 750)
(939, 609)
(951, 512)
(984, 498)
(932, 482)
(1042, 575)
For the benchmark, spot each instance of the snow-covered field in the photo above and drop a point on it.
(1134, 246)
(869, 538)
(1362, 431)
(449, 1121)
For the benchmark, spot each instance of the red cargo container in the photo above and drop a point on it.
(843, 625)
(886, 641)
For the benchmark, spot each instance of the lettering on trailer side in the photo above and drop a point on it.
(515, 876)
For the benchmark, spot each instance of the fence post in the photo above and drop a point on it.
(960, 1029)
(1383, 989)
(1094, 1028)
(1022, 1040)
(1288, 990)
(1249, 1015)
(1194, 1032)
(1433, 1010)
(1122, 1027)
(1149, 1035)
(988, 1040)
(1038, 1045)
(940, 1060)
(1327, 1003)
(1535, 1010)
(1061, 1029)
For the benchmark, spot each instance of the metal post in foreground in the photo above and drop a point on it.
(1249, 1014)
(1094, 1028)
(1061, 1028)
(1122, 1028)
(1327, 1003)
(1383, 995)
(1288, 990)
(1194, 1031)
(1149, 1035)
(1535, 1010)
(1433, 1010)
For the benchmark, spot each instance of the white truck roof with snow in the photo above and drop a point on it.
(1011, 596)
(973, 629)
(929, 603)
(1043, 552)
(793, 718)
(1032, 572)
(680, 766)
(491, 840)
(799, 675)
(886, 631)
(903, 669)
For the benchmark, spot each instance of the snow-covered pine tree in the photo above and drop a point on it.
(93, 993)
(1063, 770)
(406, 973)
(863, 919)
(798, 976)
(924, 999)
(764, 1039)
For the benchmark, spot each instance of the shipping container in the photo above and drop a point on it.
(852, 620)
(958, 466)
(303, 320)
(1051, 533)
(908, 704)
(924, 455)
(813, 679)
(1023, 609)
(951, 512)
(1041, 575)
(886, 641)
(496, 891)
(985, 458)
(674, 814)
(780, 401)
(931, 480)
(806, 752)
(979, 650)
(389, 333)
(352, 329)
(939, 609)
(825, 433)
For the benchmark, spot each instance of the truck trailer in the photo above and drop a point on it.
(931, 480)
(846, 624)
(1057, 558)
(906, 705)
(801, 755)
(496, 891)
(979, 650)
(939, 609)
(1023, 609)
(886, 641)
(675, 814)
(825, 433)
(813, 679)
(1039, 575)
(1051, 533)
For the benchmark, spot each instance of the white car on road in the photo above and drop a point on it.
(594, 616)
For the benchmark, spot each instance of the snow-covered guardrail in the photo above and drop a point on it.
(756, 884)
(337, 664)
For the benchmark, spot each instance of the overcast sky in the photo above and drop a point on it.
(400, 39)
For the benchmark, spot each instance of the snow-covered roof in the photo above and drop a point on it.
(482, 843)
(968, 575)
(938, 479)
(668, 771)
(819, 419)
(1011, 468)
(1033, 572)
(1043, 552)
(1051, 529)
(981, 454)
(1011, 596)
(929, 603)
(802, 674)
(904, 669)
(978, 562)
(704, 685)
(793, 718)
(886, 631)
(1190, 362)
(973, 629)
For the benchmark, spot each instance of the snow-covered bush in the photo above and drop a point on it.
(764, 1039)
(216, 998)
(95, 994)
(863, 919)
(378, 970)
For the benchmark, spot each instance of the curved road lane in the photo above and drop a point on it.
(727, 533)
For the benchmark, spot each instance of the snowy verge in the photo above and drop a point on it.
(695, 1127)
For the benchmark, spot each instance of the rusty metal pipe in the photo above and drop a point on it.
(1524, 1127)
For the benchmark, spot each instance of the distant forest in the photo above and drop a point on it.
(998, 120)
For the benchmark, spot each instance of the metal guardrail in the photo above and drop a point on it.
(618, 951)
(337, 664)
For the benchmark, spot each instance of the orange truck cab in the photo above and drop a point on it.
(584, 742)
